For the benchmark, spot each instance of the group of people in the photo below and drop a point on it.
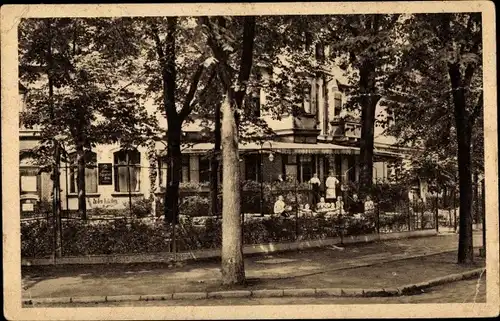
(328, 204)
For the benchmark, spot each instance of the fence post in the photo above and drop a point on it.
(455, 210)
(437, 213)
(378, 219)
(483, 212)
(129, 187)
(296, 212)
(242, 213)
(261, 177)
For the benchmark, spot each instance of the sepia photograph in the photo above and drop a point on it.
(325, 160)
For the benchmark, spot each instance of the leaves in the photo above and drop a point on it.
(90, 103)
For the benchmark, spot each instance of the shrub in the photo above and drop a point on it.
(36, 238)
(141, 208)
(121, 236)
(194, 206)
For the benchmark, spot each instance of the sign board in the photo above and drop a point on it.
(105, 173)
(28, 207)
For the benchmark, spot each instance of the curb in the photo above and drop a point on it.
(410, 289)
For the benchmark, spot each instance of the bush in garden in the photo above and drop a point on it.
(36, 238)
(280, 229)
(141, 208)
(43, 208)
(211, 236)
(126, 236)
(317, 227)
(292, 193)
(254, 232)
(194, 206)
(386, 195)
(395, 222)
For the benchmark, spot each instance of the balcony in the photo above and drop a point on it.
(346, 130)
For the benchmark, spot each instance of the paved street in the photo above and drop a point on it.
(350, 267)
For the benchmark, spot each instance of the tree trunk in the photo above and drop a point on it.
(56, 202)
(465, 246)
(82, 201)
(56, 186)
(214, 165)
(233, 270)
(369, 102)
(476, 198)
(174, 156)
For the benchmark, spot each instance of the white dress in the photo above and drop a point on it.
(331, 184)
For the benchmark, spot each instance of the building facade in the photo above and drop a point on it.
(321, 138)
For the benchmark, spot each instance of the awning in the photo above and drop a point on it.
(287, 148)
(378, 152)
(279, 147)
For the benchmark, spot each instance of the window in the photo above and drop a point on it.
(306, 102)
(306, 167)
(255, 103)
(185, 177)
(337, 103)
(320, 51)
(162, 170)
(338, 168)
(127, 171)
(164, 167)
(314, 97)
(204, 169)
(290, 167)
(352, 168)
(390, 118)
(90, 173)
(29, 180)
(252, 167)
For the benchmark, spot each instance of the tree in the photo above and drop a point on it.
(234, 84)
(177, 64)
(84, 68)
(443, 57)
(367, 46)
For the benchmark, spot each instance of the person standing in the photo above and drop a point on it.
(331, 187)
(315, 182)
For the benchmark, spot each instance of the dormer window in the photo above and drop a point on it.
(306, 104)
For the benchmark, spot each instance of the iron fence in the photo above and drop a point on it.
(140, 227)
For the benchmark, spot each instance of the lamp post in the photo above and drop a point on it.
(261, 174)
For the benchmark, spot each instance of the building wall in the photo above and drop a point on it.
(106, 196)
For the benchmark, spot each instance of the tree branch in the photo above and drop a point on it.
(246, 58)
(188, 102)
(169, 70)
(219, 54)
(158, 45)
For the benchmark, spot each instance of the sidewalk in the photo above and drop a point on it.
(384, 264)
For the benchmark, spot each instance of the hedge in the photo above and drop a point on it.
(122, 236)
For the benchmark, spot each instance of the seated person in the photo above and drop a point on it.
(355, 205)
(280, 207)
(369, 205)
(340, 204)
(321, 204)
(306, 210)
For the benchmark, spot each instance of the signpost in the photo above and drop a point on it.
(105, 173)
